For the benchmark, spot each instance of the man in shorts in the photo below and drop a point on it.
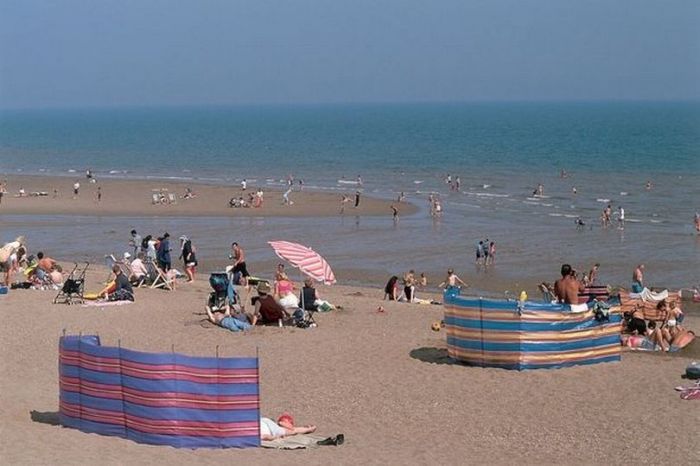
(76, 189)
(239, 265)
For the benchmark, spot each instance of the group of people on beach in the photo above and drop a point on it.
(276, 304)
(39, 272)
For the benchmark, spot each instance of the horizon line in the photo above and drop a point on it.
(342, 103)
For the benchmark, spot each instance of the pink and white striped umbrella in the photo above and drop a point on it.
(305, 259)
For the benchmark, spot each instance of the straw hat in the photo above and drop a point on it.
(263, 287)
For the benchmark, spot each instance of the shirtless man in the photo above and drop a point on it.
(697, 222)
(239, 265)
(593, 274)
(452, 280)
(567, 287)
(638, 279)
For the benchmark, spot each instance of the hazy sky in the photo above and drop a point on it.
(68, 53)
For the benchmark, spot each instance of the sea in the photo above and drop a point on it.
(585, 155)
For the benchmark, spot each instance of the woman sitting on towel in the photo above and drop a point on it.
(284, 289)
(120, 289)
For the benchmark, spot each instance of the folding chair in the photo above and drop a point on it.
(111, 261)
(158, 278)
(155, 198)
(172, 198)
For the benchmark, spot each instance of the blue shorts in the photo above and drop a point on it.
(234, 324)
(637, 287)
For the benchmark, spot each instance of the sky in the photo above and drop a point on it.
(89, 53)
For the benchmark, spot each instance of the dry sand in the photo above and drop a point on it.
(380, 378)
(134, 198)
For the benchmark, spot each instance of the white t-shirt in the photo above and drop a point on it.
(270, 427)
(622, 213)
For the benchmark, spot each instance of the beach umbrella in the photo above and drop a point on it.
(308, 261)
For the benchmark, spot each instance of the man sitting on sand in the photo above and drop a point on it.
(267, 310)
(567, 287)
(45, 266)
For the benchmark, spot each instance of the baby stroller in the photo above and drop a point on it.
(74, 287)
(217, 300)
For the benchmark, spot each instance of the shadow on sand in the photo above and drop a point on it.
(48, 417)
(432, 355)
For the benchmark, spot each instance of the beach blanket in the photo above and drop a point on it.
(106, 303)
(648, 295)
(295, 442)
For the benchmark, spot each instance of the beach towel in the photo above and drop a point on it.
(106, 303)
(648, 295)
(690, 394)
(579, 307)
(295, 442)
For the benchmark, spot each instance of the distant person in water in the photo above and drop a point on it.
(402, 196)
(697, 222)
(99, 194)
(621, 218)
(649, 185)
(593, 274)
(451, 280)
(394, 213)
(638, 279)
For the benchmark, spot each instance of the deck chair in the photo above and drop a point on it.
(155, 198)
(172, 198)
(157, 277)
(111, 261)
(73, 289)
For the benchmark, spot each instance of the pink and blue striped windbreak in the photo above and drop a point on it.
(305, 259)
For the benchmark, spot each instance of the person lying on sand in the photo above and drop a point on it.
(235, 323)
(284, 427)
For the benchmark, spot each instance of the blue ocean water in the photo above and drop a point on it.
(376, 140)
(501, 151)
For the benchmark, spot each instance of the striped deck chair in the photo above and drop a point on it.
(157, 277)
(648, 308)
(599, 292)
(172, 198)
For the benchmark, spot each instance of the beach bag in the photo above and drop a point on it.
(693, 370)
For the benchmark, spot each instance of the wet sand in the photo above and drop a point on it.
(382, 379)
(134, 198)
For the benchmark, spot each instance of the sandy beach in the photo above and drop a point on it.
(134, 198)
(382, 379)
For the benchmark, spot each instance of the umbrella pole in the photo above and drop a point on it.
(303, 308)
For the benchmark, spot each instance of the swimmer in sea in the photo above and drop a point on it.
(394, 213)
(697, 222)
